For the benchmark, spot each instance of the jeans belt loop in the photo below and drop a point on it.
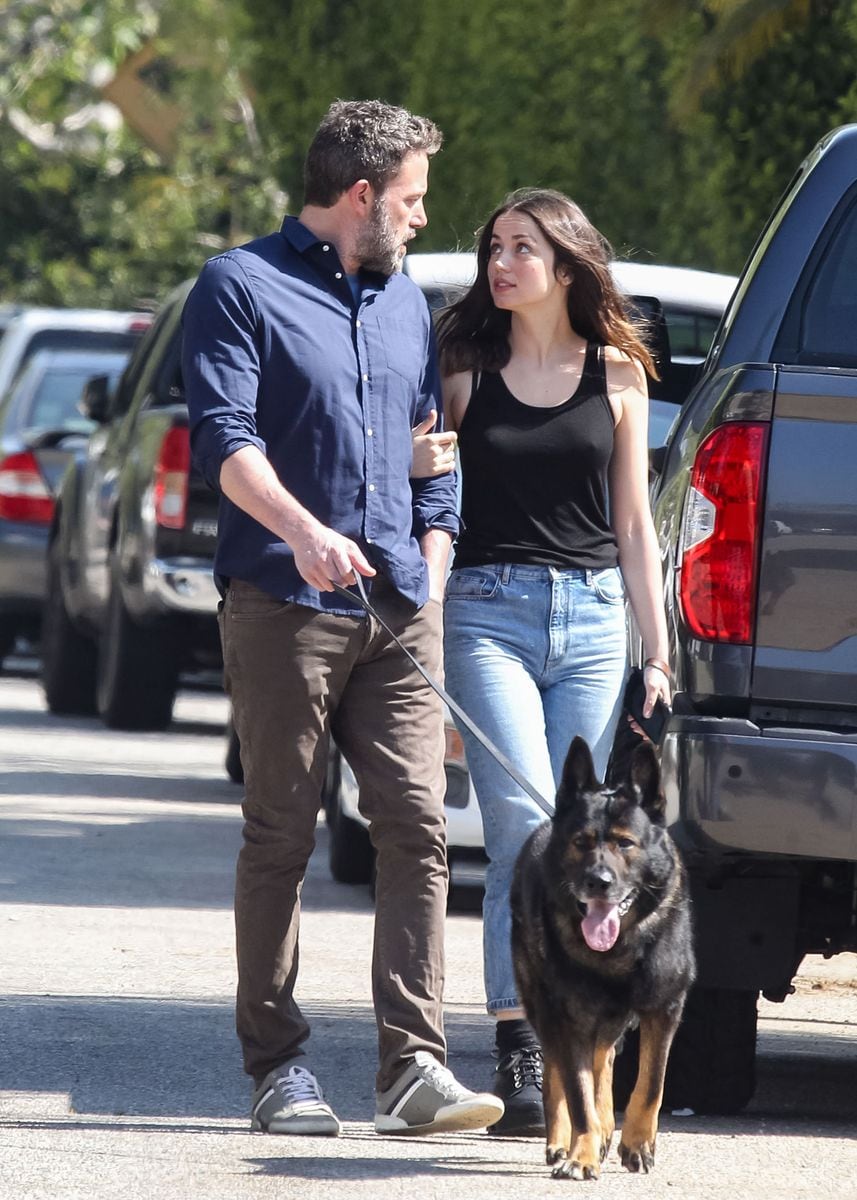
(588, 577)
(506, 574)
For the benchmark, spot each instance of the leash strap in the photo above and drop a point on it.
(521, 780)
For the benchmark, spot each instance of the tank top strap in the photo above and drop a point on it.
(594, 370)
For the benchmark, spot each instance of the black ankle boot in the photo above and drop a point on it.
(518, 1082)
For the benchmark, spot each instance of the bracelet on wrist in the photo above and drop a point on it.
(659, 665)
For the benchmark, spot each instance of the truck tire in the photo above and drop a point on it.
(351, 857)
(137, 670)
(712, 1065)
(68, 656)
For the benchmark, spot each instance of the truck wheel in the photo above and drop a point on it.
(712, 1065)
(68, 656)
(137, 671)
(350, 854)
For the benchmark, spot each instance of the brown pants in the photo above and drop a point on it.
(296, 675)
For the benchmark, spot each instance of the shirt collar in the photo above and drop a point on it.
(303, 239)
(298, 235)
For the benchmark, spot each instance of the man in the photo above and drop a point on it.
(308, 359)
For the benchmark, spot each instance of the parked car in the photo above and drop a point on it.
(32, 329)
(131, 596)
(40, 426)
(756, 512)
(682, 304)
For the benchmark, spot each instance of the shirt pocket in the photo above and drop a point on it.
(609, 586)
(402, 351)
(472, 583)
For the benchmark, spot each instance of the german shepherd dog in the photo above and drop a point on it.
(601, 939)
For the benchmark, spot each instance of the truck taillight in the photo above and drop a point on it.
(171, 477)
(720, 534)
(24, 495)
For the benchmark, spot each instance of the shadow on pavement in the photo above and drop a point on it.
(150, 1057)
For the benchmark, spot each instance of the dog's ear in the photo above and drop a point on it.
(578, 774)
(644, 776)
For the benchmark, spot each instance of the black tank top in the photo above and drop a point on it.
(534, 480)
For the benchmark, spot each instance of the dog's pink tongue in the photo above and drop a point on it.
(600, 926)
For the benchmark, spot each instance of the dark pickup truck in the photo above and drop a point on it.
(756, 513)
(131, 597)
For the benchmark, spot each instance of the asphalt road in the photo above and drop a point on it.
(119, 1071)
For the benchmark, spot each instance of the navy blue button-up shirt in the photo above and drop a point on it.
(278, 355)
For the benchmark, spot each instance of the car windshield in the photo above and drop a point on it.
(55, 399)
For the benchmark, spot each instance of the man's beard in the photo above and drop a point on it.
(378, 247)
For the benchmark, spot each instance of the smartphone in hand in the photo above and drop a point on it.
(635, 696)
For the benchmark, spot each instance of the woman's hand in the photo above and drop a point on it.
(433, 453)
(657, 683)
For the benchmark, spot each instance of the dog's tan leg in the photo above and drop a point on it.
(557, 1119)
(583, 1160)
(639, 1133)
(604, 1059)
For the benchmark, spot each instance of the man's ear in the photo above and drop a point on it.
(361, 197)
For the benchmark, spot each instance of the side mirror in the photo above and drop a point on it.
(95, 400)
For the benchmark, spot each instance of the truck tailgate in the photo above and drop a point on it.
(806, 633)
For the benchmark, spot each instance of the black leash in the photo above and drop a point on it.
(362, 599)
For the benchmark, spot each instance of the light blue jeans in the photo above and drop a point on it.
(534, 655)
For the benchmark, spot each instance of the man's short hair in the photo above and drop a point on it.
(363, 139)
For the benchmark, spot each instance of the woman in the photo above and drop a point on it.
(545, 384)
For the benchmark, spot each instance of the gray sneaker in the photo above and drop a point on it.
(427, 1098)
(289, 1100)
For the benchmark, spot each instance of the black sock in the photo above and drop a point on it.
(517, 1034)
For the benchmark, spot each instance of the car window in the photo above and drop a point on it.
(820, 325)
(691, 333)
(829, 327)
(140, 378)
(53, 404)
(77, 339)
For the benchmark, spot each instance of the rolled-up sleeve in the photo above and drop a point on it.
(435, 499)
(221, 365)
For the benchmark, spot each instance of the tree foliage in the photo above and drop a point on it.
(593, 99)
(675, 124)
(110, 205)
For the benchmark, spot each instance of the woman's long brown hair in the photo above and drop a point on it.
(473, 334)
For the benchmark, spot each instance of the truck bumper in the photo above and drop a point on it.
(181, 585)
(733, 787)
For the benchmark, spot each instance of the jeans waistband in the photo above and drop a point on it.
(509, 571)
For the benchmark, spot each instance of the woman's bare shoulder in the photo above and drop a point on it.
(623, 371)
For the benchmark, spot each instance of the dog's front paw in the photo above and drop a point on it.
(570, 1168)
(583, 1161)
(637, 1158)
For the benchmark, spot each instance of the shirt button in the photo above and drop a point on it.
(370, 541)
(325, 247)
(371, 487)
(365, 378)
(338, 275)
(369, 432)
(358, 323)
